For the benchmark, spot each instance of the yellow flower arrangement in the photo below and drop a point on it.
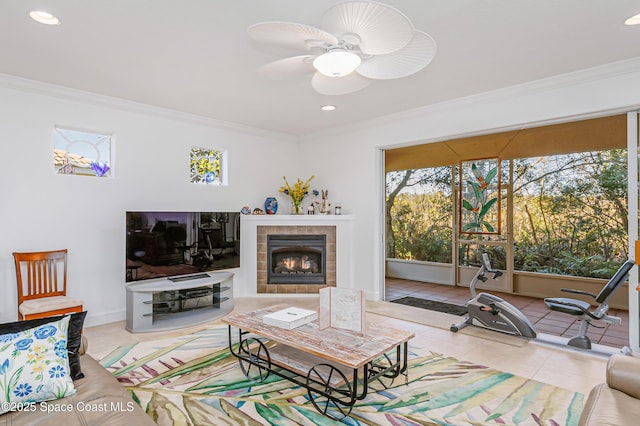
(297, 192)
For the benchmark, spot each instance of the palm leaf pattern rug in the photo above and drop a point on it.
(194, 380)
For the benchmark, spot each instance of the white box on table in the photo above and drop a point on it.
(290, 318)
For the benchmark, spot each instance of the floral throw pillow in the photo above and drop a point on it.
(34, 365)
(74, 337)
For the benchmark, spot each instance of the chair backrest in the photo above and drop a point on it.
(41, 274)
(615, 282)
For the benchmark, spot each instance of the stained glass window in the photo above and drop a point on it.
(78, 152)
(207, 166)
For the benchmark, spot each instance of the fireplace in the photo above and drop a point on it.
(336, 229)
(296, 259)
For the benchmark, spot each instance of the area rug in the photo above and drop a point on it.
(193, 380)
(432, 305)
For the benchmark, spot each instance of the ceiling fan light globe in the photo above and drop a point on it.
(634, 20)
(337, 63)
(44, 17)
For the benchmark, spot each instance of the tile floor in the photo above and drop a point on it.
(544, 320)
(567, 368)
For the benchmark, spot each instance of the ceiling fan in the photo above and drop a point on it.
(358, 42)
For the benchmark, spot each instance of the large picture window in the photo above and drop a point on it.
(419, 214)
(569, 214)
(558, 204)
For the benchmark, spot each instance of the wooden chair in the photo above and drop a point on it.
(42, 285)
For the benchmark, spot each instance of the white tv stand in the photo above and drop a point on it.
(176, 302)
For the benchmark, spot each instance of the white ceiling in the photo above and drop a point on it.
(195, 55)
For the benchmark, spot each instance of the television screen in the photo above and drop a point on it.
(169, 244)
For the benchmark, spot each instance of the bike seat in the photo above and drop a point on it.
(567, 305)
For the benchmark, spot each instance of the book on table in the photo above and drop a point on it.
(290, 318)
(343, 308)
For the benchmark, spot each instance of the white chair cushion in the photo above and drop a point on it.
(45, 304)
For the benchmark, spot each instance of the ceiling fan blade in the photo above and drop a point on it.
(288, 68)
(381, 28)
(290, 35)
(409, 60)
(339, 85)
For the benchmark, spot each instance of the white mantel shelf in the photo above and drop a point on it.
(345, 246)
(293, 219)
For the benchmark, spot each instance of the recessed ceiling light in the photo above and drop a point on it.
(44, 17)
(634, 20)
(328, 107)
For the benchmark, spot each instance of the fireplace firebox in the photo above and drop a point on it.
(296, 259)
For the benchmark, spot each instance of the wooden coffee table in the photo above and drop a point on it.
(336, 366)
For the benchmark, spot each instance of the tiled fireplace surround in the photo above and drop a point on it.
(261, 277)
(253, 245)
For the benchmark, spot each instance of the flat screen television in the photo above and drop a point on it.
(176, 244)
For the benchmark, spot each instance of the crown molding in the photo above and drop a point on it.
(563, 80)
(67, 93)
(574, 78)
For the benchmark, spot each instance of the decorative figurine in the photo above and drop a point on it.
(325, 206)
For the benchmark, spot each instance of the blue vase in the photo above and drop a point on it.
(271, 205)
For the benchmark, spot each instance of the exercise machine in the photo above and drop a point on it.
(492, 312)
(581, 309)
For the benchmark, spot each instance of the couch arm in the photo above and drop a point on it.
(84, 345)
(623, 374)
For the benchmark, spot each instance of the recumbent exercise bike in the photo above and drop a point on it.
(494, 313)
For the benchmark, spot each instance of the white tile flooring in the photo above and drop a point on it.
(571, 369)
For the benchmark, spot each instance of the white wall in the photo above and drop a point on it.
(355, 176)
(416, 270)
(44, 211)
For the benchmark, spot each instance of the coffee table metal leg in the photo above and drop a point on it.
(327, 398)
(254, 359)
(382, 373)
